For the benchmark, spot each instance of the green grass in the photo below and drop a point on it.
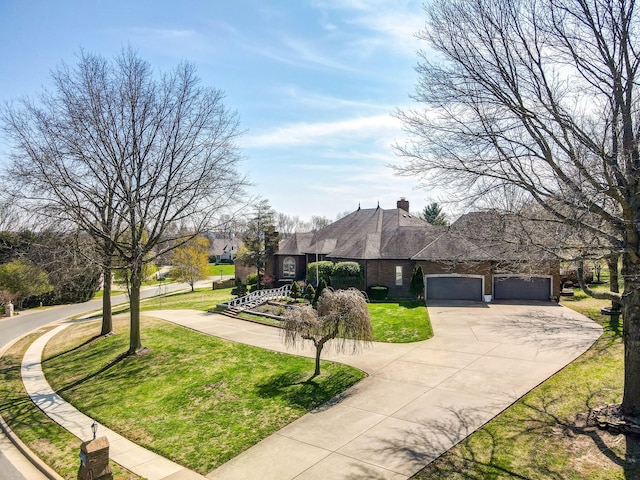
(202, 299)
(259, 319)
(227, 269)
(100, 293)
(53, 444)
(193, 398)
(393, 322)
(543, 435)
(400, 321)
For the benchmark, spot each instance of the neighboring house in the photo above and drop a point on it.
(224, 249)
(389, 244)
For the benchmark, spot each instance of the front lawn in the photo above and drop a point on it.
(202, 299)
(225, 268)
(48, 440)
(193, 398)
(393, 322)
(544, 435)
(400, 321)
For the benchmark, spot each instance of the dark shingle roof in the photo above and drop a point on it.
(365, 234)
(370, 234)
(502, 236)
(450, 247)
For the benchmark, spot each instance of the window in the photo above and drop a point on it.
(398, 275)
(289, 267)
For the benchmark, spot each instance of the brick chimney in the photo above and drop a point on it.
(403, 204)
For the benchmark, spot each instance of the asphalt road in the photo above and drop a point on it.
(18, 325)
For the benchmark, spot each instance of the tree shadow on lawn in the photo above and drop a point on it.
(310, 393)
(86, 357)
(490, 452)
(16, 406)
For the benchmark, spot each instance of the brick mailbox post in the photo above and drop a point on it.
(94, 460)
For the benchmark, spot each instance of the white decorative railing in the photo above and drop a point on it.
(258, 297)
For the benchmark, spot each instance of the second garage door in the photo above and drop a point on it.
(521, 288)
(454, 288)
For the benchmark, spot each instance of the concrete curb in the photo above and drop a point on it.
(29, 454)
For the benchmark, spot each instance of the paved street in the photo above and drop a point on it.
(25, 322)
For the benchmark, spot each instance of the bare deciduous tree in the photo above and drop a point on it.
(342, 316)
(540, 97)
(133, 160)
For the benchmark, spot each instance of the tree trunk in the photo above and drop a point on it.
(631, 335)
(319, 347)
(107, 319)
(135, 343)
(614, 282)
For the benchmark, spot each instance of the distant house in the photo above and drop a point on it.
(224, 249)
(390, 243)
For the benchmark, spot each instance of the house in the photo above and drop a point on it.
(224, 249)
(470, 260)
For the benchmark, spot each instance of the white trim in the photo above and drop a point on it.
(522, 275)
(454, 275)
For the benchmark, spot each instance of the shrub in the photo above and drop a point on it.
(378, 292)
(252, 279)
(309, 292)
(240, 290)
(324, 269)
(295, 290)
(346, 274)
(417, 282)
(318, 292)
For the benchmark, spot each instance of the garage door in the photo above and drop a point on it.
(454, 288)
(521, 288)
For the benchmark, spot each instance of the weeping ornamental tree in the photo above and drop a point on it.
(141, 163)
(342, 317)
(540, 98)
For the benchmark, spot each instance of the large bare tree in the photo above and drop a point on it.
(541, 97)
(142, 163)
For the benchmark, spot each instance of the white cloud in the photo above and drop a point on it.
(303, 133)
(329, 102)
(395, 23)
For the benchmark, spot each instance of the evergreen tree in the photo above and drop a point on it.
(260, 238)
(434, 215)
(417, 282)
(321, 287)
(309, 292)
(295, 290)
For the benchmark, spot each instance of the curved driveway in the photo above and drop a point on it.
(419, 400)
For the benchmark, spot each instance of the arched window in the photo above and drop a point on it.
(289, 267)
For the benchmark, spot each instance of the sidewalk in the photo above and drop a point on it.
(131, 456)
(418, 401)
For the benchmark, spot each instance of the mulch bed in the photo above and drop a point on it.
(610, 418)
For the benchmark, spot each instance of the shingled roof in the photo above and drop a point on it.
(366, 234)
(395, 234)
(501, 236)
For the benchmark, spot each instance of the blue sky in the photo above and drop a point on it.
(314, 82)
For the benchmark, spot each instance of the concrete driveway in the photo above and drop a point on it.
(419, 400)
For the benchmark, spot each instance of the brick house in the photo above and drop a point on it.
(389, 244)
